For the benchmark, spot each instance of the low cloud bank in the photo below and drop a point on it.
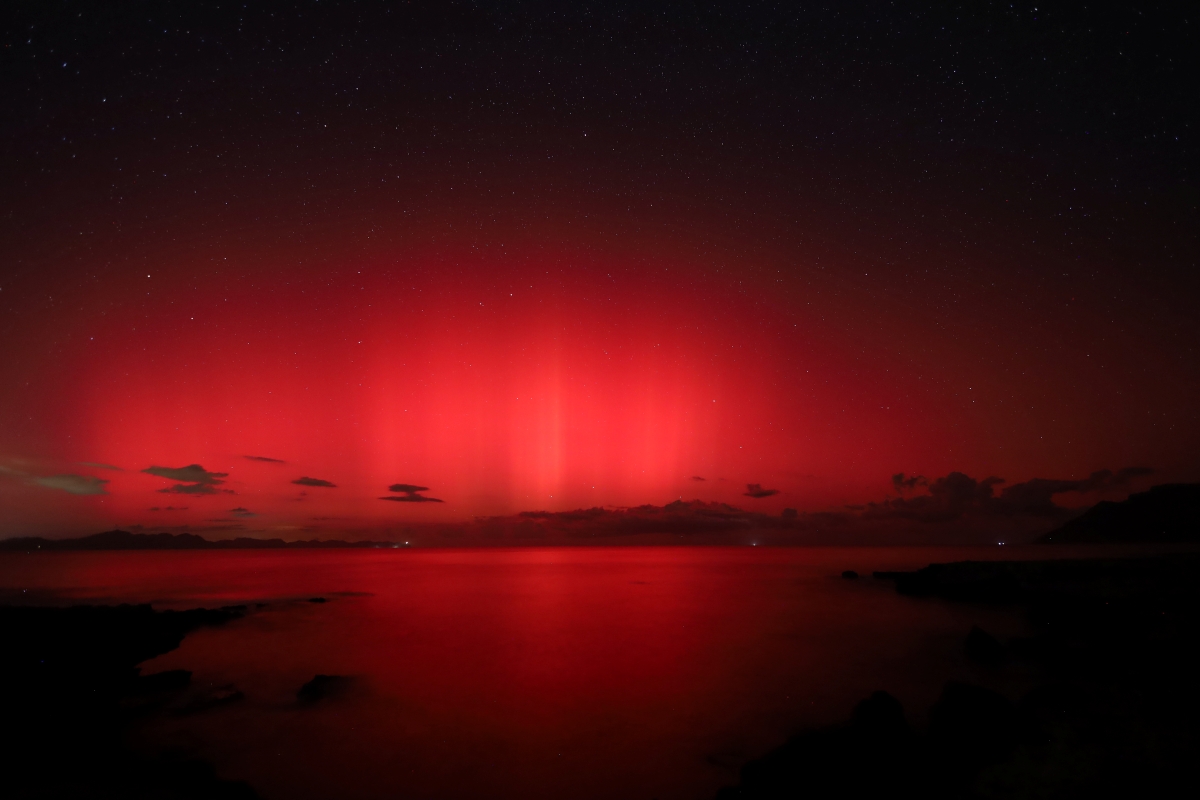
(955, 508)
(958, 495)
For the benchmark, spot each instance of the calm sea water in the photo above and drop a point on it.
(557, 672)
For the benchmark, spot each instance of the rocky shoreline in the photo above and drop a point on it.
(1110, 646)
(74, 692)
(1112, 712)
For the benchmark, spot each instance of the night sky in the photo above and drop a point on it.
(261, 266)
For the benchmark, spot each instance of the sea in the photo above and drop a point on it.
(582, 672)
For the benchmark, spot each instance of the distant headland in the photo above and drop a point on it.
(124, 540)
(1169, 512)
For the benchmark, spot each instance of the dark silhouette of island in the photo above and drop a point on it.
(1166, 513)
(73, 690)
(1111, 713)
(124, 540)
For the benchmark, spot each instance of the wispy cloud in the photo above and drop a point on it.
(73, 484)
(264, 458)
(100, 465)
(756, 490)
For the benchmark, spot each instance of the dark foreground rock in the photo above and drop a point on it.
(1113, 712)
(868, 757)
(207, 699)
(72, 689)
(1167, 579)
(983, 648)
(323, 687)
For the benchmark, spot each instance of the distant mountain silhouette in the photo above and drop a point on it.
(124, 540)
(1166, 513)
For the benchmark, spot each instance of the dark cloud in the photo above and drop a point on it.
(411, 498)
(756, 490)
(196, 489)
(169, 508)
(100, 465)
(407, 487)
(1129, 473)
(902, 484)
(192, 473)
(193, 479)
(1105, 479)
(242, 512)
(73, 484)
(264, 458)
(697, 478)
(307, 481)
(957, 495)
(1035, 496)
(407, 493)
(949, 498)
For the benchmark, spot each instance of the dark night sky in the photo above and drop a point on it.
(536, 257)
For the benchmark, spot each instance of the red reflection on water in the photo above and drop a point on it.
(606, 672)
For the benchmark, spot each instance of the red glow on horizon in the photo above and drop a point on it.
(505, 379)
(506, 390)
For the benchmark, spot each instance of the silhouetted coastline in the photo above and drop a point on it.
(125, 540)
(1169, 512)
(74, 691)
(1112, 714)
(1109, 645)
